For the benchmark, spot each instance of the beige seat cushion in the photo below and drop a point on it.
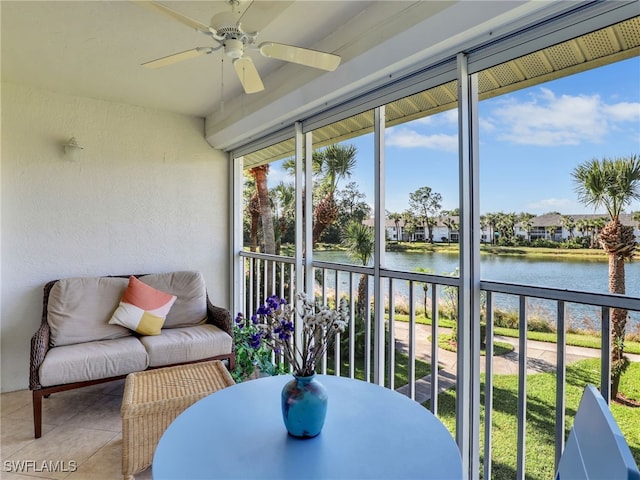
(190, 308)
(177, 345)
(79, 309)
(92, 361)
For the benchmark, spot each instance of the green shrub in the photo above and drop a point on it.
(537, 324)
(543, 242)
(505, 319)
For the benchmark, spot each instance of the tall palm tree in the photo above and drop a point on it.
(492, 219)
(612, 184)
(582, 226)
(260, 173)
(334, 162)
(569, 224)
(451, 224)
(525, 223)
(357, 238)
(284, 196)
(252, 206)
(396, 217)
(596, 224)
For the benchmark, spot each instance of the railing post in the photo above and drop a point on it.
(434, 347)
(488, 387)
(392, 336)
(605, 355)
(561, 378)
(522, 389)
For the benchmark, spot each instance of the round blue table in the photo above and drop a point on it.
(369, 432)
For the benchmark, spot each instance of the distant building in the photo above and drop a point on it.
(540, 226)
(540, 229)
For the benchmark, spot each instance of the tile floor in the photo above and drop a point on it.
(81, 435)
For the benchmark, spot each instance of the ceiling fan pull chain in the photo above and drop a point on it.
(222, 85)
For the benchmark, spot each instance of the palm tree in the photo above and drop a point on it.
(357, 238)
(409, 226)
(491, 219)
(596, 224)
(612, 184)
(583, 228)
(425, 289)
(451, 224)
(252, 206)
(569, 224)
(551, 231)
(506, 224)
(259, 173)
(334, 163)
(525, 223)
(396, 217)
(284, 205)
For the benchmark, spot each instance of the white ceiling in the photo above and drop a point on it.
(95, 49)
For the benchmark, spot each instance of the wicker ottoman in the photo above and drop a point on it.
(154, 398)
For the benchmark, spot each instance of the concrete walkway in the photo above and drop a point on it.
(541, 357)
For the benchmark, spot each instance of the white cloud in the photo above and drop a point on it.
(623, 111)
(448, 117)
(407, 138)
(548, 119)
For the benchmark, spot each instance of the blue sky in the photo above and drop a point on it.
(530, 141)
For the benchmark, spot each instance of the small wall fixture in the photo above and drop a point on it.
(72, 148)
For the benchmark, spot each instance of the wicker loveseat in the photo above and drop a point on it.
(77, 346)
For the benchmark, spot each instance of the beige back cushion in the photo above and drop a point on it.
(190, 308)
(79, 310)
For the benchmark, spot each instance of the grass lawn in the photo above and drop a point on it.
(401, 376)
(583, 254)
(446, 342)
(576, 339)
(540, 438)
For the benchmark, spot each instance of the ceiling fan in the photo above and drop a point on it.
(227, 32)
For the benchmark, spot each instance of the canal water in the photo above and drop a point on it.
(581, 275)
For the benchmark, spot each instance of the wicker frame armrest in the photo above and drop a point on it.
(40, 341)
(220, 317)
(39, 348)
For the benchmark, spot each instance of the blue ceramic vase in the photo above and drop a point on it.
(304, 406)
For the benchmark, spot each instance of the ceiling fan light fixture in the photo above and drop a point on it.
(233, 48)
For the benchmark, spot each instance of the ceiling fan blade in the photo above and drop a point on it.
(248, 75)
(303, 56)
(189, 22)
(178, 57)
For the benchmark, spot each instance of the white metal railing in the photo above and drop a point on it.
(334, 281)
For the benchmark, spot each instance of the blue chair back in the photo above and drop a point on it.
(596, 448)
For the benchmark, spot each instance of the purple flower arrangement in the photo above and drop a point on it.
(273, 327)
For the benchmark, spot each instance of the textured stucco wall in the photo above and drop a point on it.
(147, 194)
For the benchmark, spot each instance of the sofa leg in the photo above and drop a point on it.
(232, 361)
(37, 413)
